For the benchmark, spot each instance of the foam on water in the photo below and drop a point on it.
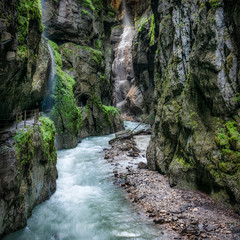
(86, 204)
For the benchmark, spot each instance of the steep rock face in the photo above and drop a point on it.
(144, 49)
(137, 7)
(75, 21)
(92, 88)
(21, 79)
(125, 94)
(128, 94)
(28, 173)
(84, 56)
(136, 92)
(196, 135)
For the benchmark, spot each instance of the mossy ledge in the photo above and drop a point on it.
(65, 113)
(25, 146)
(28, 174)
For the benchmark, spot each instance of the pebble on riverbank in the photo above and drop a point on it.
(189, 214)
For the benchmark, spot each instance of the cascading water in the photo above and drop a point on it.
(48, 100)
(86, 205)
(122, 68)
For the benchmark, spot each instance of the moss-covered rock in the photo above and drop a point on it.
(81, 22)
(21, 21)
(196, 132)
(65, 113)
(143, 59)
(83, 57)
(89, 67)
(28, 173)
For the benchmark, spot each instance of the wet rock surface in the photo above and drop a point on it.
(196, 77)
(27, 175)
(81, 30)
(186, 214)
(23, 58)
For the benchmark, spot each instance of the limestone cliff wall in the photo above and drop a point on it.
(25, 64)
(24, 57)
(81, 30)
(196, 134)
(144, 49)
(27, 173)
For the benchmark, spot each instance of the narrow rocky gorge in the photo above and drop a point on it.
(185, 214)
(87, 65)
(28, 173)
(196, 135)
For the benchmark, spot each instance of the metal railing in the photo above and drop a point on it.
(16, 120)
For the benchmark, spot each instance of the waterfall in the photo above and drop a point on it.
(48, 101)
(122, 68)
(127, 21)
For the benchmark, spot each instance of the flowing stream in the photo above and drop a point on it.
(86, 204)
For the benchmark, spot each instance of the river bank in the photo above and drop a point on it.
(86, 204)
(190, 214)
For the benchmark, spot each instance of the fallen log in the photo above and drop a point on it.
(127, 134)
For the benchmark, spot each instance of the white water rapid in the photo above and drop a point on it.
(86, 205)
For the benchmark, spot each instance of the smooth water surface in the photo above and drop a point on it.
(86, 205)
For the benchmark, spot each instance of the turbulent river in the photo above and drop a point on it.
(86, 204)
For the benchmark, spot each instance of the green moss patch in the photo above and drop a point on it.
(24, 145)
(186, 165)
(111, 111)
(142, 24)
(48, 132)
(228, 139)
(152, 31)
(106, 114)
(147, 24)
(65, 113)
(96, 55)
(88, 4)
(26, 142)
(57, 55)
(27, 11)
(229, 136)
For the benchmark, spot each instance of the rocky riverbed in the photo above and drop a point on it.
(187, 214)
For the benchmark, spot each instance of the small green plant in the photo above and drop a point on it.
(27, 11)
(65, 113)
(85, 13)
(152, 31)
(237, 98)
(48, 131)
(142, 24)
(24, 145)
(214, 3)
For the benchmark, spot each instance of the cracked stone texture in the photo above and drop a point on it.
(196, 104)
